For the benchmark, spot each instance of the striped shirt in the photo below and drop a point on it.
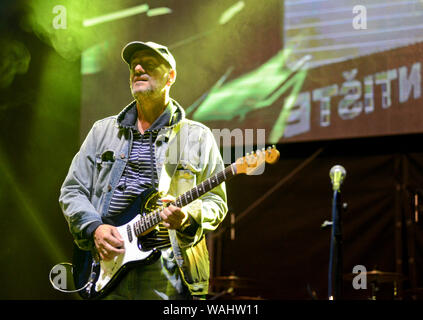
(140, 174)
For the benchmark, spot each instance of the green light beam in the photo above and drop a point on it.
(116, 15)
(219, 82)
(158, 11)
(251, 91)
(279, 127)
(224, 18)
(32, 217)
(231, 12)
(298, 66)
(192, 38)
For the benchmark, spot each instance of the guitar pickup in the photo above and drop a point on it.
(128, 229)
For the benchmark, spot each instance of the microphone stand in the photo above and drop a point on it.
(336, 249)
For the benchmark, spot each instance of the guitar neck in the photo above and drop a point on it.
(153, 218)
(205, 186)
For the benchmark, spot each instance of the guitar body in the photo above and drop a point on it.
(106, 274)
(137, 223)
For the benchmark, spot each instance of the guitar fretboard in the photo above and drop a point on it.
(153, 218)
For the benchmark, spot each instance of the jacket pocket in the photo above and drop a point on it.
(104, 164)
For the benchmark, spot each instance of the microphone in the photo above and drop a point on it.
(337, 175)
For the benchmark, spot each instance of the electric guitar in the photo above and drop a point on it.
(97, 277)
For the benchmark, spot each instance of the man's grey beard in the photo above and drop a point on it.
(143, 94)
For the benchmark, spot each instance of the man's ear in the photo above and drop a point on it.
(172, 77)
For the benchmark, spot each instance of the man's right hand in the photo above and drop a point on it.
(108, 242)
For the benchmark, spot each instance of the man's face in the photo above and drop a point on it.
(149, 74)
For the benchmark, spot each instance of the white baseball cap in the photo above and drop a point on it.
(161, 50)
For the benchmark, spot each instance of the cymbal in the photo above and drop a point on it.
(377, 276)
(231, 281)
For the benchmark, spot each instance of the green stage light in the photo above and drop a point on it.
(93, 57)
(158, 11)
(62, 25)
(278, 128)
(15, 59)
(116, 15)
(254, 90)
(231, 12)
(30, 215)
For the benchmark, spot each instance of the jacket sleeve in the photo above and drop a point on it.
(206, 213)
(75, 194)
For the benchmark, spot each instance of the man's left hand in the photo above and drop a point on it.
(173, 217)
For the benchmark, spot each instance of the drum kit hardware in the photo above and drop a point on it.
(232, 287)
(377, 277)
(413, 294)
(229, 288)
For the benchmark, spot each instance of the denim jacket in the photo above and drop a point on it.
(185, 153)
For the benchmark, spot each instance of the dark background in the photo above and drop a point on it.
(279, 245)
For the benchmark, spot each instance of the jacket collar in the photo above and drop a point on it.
(173, 114)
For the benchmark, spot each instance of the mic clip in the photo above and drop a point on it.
(326, 224)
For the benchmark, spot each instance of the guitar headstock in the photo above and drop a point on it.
(253, 163)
